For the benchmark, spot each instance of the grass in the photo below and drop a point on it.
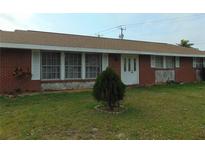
(158, 112)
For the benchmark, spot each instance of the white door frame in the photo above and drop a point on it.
(130, 77)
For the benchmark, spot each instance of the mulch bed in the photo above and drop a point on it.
(102, 108)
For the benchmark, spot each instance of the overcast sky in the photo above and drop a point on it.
(169, 28)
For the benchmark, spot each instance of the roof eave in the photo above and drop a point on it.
(96, 50)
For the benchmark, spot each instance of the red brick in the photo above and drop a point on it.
(186, 73)
(146, 73)
(10, 59)
(115, 63)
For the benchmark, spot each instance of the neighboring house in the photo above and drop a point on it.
(64, 61)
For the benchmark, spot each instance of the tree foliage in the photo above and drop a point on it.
(109, 88)
(185, 43)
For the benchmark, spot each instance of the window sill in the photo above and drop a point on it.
(165, 68)
(50, 79)
(67, 80)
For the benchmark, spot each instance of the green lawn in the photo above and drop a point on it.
(158, 112)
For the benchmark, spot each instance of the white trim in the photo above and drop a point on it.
(50, 79)
(204, 62)
(177, 62)
(194, 62)
(164, 62)
(67, 78)
(77, 49)
(35, 65)
(152, 58)
(62, 67)
(128, 76)
(41, 69)
(164, 58)
(83, 66)
(93, 65)
(104, 61)
(71, 79)
(155, 60)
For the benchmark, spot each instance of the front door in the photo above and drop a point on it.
(130, 69)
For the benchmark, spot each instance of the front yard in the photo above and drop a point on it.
(159, 112)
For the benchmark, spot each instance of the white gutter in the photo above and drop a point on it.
(77, 49)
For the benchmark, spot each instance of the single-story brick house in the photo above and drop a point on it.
(64, 61)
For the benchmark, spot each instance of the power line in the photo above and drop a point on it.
(109, 29)
(175, 19)
(121, 36)
(149, 33)
(152, 21)
(161, 20)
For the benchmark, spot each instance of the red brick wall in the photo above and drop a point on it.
(10, 59)
(0, 71)
(146, 73)
(186, 73)
(115, 63)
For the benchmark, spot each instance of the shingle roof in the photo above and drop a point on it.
(80, 41)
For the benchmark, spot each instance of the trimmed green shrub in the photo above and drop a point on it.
(202, 73)
(109, 89)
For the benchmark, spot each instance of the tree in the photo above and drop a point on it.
(109, 89)
(185, 43)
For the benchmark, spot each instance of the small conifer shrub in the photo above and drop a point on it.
(202, 74)
(109, 89)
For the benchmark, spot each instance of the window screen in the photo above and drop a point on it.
(159, 61)
(199, 62)
(50, 65)
(92, 65)
(170, 62)
(72, 66)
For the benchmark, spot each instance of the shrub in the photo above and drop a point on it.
(202, 73)
(109, 89)
(21, 76)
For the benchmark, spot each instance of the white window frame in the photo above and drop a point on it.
(177, 62)
(36, 65)
(163, 62)
(125, 64)
(100, 64)
(62, 69)
(195, 62)
(166, 62)
(105, 61)
(52, 79)
(67, 78)
(83, 65)
(153, 63)
(62, 65)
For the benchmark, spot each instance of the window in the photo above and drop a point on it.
(159, 62)
(125, 64)
(50, 65)
(92, 65)
(72, 66)
(199, 62)
(164, 62)
(170, 62)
